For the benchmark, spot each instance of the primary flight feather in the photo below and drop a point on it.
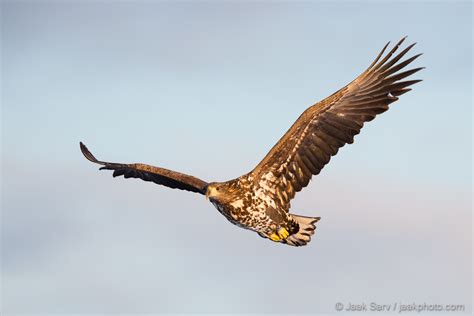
(260, 199)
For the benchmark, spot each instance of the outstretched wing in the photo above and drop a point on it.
(171, 179)
(331, 123)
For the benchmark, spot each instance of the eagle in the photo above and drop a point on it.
(260, 200)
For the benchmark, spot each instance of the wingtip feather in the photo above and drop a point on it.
(89, 156)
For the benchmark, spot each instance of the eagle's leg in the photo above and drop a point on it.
(275, 237)
(281, 234)
(280, 219)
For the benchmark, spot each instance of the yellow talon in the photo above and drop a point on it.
(283, 233)
(275, 237)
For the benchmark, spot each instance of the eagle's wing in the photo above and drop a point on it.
(331, 123)
(158, 175)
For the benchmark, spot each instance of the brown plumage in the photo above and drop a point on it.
(169, 178)
(333, 122)
(260, 199)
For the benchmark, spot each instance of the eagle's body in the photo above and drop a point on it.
(251, 206)
(258, 207)
(260, 200)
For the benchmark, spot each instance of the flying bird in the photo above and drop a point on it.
(260, 200)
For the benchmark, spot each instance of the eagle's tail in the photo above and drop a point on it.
(307, 227)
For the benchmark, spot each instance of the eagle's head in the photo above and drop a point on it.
(218, 191)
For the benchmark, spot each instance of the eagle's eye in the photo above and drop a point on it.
(217, 188)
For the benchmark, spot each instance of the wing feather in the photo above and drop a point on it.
(169, 178)
(333, 122)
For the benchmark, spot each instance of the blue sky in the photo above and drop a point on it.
(207, 88)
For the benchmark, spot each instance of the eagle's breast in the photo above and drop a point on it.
(252, 206)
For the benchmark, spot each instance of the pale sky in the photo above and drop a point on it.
(207, 88)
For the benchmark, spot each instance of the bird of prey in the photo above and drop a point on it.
(260, 200)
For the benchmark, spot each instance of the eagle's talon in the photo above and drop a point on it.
(280, 235)
(274, 237)
(283, 233)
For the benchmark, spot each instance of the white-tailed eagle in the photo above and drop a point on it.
(260, 199)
